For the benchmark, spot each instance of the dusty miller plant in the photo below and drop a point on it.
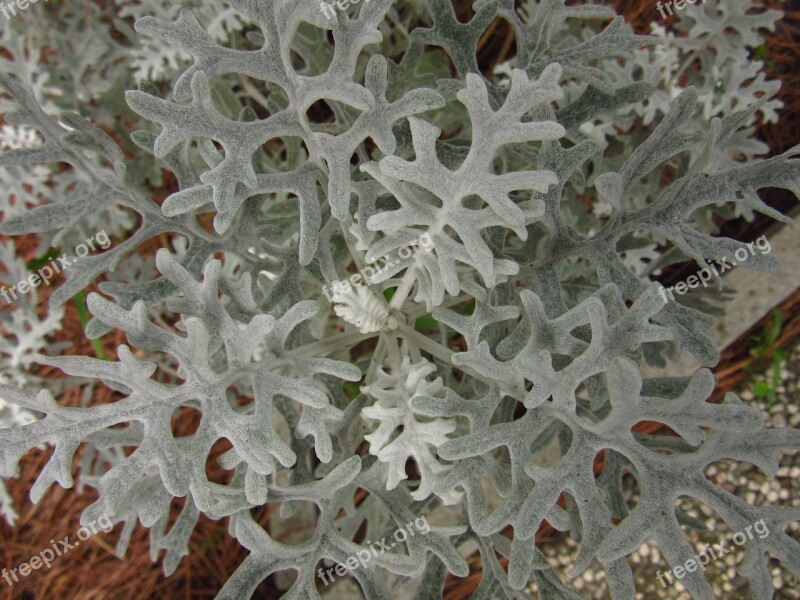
(306, 147)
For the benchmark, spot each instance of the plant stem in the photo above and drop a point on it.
(335, 343)
(404, 289)
(437, 350)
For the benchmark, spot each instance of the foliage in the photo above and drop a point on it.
(552, 194)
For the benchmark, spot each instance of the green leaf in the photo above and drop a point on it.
(83, 314)
(762, 389)
(37, 263)
(427, 322)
